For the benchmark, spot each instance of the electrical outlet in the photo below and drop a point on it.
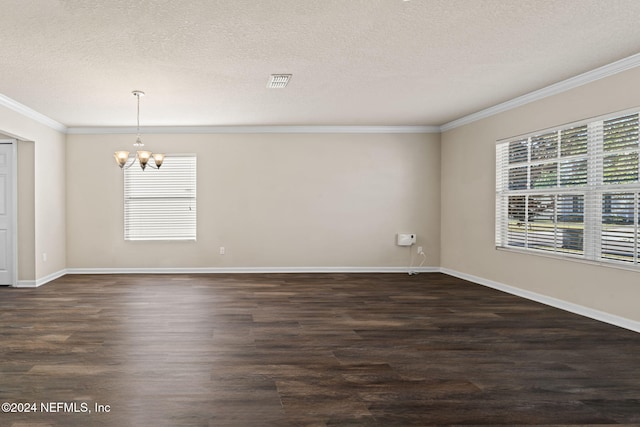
(419, 250)
(222, 250)
(44, 257)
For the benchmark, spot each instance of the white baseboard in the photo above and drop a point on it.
(214, 270)
(41, 281)
(547, 300)
(550, 301)
(26, 284)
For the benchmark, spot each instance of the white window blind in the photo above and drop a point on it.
(572, 191)
(160, 204)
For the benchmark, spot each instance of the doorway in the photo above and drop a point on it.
(8, 217)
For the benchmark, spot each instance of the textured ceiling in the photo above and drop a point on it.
(354, 62)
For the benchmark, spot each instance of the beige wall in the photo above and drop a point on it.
(50, 172)
(272, 200)
(468, 202)
(26, 211)
(41, 174)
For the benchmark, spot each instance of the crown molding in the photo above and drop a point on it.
(22, 109)
(110, 130)
(554, 89)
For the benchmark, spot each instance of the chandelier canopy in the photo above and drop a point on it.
(125, 160)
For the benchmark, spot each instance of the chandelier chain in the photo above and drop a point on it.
(138, 143)
(138, 116)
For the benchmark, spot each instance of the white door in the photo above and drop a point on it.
(7, 219)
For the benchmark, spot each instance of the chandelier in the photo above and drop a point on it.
(123, 158)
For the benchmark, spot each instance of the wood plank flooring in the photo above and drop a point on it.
(306, 350)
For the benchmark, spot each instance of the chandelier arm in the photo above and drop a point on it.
(130, 161)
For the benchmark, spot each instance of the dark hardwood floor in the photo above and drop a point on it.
(306, 350)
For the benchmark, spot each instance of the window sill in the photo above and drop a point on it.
(572, 258)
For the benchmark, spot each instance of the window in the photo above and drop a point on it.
(572, 191)
(160, 204)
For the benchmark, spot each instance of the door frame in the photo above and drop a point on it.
(14, 208)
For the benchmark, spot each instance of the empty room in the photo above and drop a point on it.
(283, 213)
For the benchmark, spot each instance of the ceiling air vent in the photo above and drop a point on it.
(278, 81)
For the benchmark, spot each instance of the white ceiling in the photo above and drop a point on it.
(354, 62)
